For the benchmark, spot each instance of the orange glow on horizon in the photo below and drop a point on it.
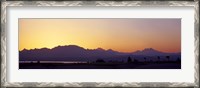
(123, 35)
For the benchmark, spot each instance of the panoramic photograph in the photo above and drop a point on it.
(103, 43)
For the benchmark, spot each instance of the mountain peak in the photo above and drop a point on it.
(101, 49)
(149, 49)
(67, 46)
(110, 50)
(24, 49)
(148, 52)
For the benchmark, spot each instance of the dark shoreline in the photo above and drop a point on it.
(163, 65)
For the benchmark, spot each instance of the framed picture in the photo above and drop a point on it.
(100, 44)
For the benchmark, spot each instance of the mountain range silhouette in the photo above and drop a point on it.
(77, 53)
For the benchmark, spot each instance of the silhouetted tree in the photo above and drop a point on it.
(145, 59)
(158, 58)
(178, 60)
(129, 59)
(100, 61)
(168, 57)
(151, 60)
(110, 61)
(136, 61)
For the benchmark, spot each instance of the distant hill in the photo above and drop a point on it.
(77, 53)
(151, 52)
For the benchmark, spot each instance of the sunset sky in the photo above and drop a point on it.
(124, 35)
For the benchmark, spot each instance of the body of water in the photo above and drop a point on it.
(52, 62)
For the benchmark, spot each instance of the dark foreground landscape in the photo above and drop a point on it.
(75, 57)
(138, 65)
